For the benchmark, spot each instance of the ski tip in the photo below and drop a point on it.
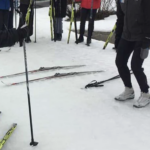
(4, 83)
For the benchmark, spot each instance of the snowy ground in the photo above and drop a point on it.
(66, 117)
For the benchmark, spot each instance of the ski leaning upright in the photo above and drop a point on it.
(51, 18)
(73, 19)
(110, 36)
(42, 69)
(57, 75)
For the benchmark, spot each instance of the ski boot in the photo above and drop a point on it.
(88, 42)
(59, 37)
(126, 95)
(28, 40)
(80, 40)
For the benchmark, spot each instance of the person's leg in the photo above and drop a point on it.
(91, 25)
(141, 78)
(6, 19)
(84, 14)
(58, 27)
(10, 23)
(23, 10)
(1, 19)
(125, 49)
(136, 65)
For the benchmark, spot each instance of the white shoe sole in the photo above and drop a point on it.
(122, 100)
(138, 106)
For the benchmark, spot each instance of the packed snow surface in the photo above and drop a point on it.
(65, 116)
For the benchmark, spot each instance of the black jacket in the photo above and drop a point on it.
(8, 38)
(60, 8)
(133, 22)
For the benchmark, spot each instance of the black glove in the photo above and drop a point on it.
(146, 43)
(22, 32)
(145, 47)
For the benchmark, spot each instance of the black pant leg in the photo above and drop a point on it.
(91, 23)
(4, 16)
(10, 22)
(84, 14)
(125, 49)
(31, 22)
(1, 20)
(136, 65)
(23, 10)
(6, 19)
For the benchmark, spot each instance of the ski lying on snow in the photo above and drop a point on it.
(43, 69)
(57, 75)
(7, 135)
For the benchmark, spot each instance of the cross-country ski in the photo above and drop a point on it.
(41, 69)
(7, 135)
(57, 75)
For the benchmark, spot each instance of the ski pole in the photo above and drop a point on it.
(75, 21)
(32, 143)
(71, 20)
(35, 21)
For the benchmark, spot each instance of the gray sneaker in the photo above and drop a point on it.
(128, 94)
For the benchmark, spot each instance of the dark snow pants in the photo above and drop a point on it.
(10, 21)
(124, 50)
(84, 14)
(23, 9)
(4, 17)
(58, 25)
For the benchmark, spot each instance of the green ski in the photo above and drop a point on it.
(110, 36)
(7, 135)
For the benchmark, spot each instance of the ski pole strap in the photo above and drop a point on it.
(93, 83)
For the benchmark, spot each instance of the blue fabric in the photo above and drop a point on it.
(4, 4)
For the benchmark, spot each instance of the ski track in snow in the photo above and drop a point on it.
(66, 117)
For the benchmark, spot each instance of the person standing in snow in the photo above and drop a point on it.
(134, 19)
(60, 13)
(4, 14)
(86, 6)
(24, 4)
